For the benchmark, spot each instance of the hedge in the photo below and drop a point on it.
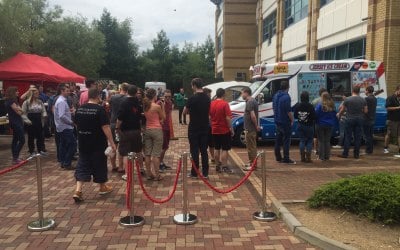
(376, 196)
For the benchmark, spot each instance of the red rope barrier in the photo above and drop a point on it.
(5, 171)
(243, 180)
(128, 184)
(173, 188)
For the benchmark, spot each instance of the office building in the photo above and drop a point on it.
(290, 30)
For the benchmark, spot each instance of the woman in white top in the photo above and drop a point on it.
(35, 112)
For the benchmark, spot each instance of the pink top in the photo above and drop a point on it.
(152, 120)
(84, 98)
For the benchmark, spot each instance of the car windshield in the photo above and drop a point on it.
(254, 86)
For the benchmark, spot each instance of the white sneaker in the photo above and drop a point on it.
(124, 177)
(386, 151)
(397, 155)
(336, 146)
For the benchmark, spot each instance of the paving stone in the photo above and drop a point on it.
(225, 221)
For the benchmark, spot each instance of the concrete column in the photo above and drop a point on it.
(217, 13)
(312, 37)
(260, 26)
(280, 28)
(383, 38)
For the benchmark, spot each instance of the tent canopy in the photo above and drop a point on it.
(28, 67)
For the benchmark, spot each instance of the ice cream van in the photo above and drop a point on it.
(337, 76)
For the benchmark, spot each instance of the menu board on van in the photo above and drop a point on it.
(311, 82)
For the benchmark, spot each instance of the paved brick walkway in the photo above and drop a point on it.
(297, 182)
(225, 222)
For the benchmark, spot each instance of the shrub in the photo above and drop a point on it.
(376, 196)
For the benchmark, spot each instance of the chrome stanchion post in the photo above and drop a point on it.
(132, 220)
(186, 218)
(42, 224)
(264, 215)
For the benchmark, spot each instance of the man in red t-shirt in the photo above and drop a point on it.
(222, 132)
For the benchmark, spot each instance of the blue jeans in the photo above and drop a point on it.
(353, 129)
(67, 147)
(283, 135)
(198, 141)
(306, 134)
(342, 126)
(369, 136)
(57, 137)
(18, 140)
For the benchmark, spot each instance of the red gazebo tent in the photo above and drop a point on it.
(25, 69)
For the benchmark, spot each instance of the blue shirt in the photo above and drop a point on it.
(282, 107)
(43, 97)
(327, 119)
(62, 115)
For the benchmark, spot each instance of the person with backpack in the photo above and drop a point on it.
(305, 115)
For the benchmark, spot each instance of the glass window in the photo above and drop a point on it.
(232, 93)
(321, 54)
(330, 54)
(269, 27)
(253, 87)
(339, 84)
(295, 10)
(269, 91)
(219, 43)
(324, 2)
(354, 49)
(342, 52)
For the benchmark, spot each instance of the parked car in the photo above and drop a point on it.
(232, 89)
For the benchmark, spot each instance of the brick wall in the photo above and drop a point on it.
(239, 37)
(383, 38)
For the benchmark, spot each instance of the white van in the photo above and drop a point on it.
(156, 85)
(232, 89)
(337, 76)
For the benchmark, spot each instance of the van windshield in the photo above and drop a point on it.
(254, 86)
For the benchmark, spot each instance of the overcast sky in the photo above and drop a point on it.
(183, 20)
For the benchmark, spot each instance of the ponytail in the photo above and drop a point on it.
(150, 94)
(146, 104)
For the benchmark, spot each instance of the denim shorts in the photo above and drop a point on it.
(92, 165)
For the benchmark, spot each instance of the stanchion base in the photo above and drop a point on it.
(264, 216)
(40, 226)
(131, 221)
(185, 219)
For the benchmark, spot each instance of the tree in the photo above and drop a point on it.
(121, 58)
(207, 52)
(22, 25)
(75, 44)
(177, 67)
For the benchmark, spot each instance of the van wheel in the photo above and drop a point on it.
(240, 138)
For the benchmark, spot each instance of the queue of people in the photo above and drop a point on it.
(356, 116)
(139, 121)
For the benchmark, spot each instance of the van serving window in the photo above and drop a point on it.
(339, 85)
